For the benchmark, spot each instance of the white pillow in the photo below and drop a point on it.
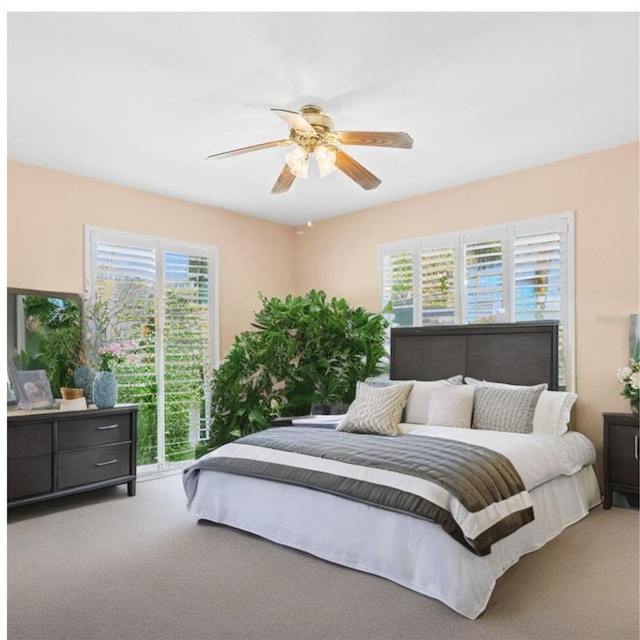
(417, 409)
(376, 409)
(451, 406)
(553, 412)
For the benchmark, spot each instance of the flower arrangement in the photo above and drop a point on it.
(117, 353)
(629, 376)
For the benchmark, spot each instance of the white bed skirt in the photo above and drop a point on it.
(409, 551)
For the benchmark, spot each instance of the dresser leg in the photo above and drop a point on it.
(608, 499)
(131, 488)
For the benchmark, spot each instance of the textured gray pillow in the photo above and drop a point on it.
(376, 409)
(501, 408)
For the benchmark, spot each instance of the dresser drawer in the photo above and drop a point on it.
(94, 431)
(29, 476)
(86, 466)
(27, 440)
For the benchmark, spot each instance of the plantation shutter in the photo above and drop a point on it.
(398, 285)
(186, 342)
(125, 279)
(161, 295)
(484, 279)
(437, 285)
(539, 276)
(541, 283)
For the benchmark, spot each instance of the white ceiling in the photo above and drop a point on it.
(140, 99)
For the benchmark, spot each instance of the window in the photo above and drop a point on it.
(162, 296)
(506, 273)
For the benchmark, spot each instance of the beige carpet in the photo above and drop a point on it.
(105, 566)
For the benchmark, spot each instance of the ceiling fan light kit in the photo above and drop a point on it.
(312, 131)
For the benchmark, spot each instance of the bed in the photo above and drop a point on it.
(477, 416)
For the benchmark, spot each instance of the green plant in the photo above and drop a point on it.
(302, 350)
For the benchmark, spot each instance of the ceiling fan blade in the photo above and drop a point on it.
(395, 139)
(284, 181)
(255, 147)
(355, 170)
(293, 119)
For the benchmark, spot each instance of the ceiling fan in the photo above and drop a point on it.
(311, 130)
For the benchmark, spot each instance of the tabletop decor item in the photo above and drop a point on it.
(629, 376)
(105, 385)
(83, 376)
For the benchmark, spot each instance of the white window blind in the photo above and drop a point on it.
(398, 285)
(484, 280)
(540, 276)
(437, 285)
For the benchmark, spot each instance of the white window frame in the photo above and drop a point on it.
(93, 235)
(562, 222)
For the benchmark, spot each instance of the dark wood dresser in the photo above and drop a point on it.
(57, 453)
(621, 464)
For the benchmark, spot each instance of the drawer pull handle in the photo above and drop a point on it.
(636, 446)
(103, 464)
(109, 426)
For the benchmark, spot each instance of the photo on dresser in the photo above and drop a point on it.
(34, 391)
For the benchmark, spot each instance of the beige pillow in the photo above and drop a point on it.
(376, 409)
(417, 409)
(451, 406)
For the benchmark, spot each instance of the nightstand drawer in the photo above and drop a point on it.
(623, 454)
(86, 466)
(94, 431)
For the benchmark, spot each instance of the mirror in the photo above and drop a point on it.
(44, 332)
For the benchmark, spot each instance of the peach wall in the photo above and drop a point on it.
(602, 188)
(47, 211)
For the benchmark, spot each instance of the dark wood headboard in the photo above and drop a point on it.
(523, 353)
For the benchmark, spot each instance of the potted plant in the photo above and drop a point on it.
(629, 376)
(302, 351)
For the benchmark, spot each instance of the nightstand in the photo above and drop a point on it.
(621, 464)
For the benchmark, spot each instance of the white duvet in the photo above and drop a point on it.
(557, 471)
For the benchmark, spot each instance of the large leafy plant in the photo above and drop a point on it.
(302, 350)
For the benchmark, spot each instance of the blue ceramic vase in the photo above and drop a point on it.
(83, 378)
(105, 390)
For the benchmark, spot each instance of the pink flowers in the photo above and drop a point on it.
(117, 353)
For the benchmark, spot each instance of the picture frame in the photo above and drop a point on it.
(34, 391)
(12, 384)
